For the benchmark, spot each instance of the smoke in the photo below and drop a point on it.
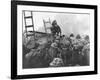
(73, 23)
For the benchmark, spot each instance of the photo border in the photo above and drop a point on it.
(14, 38)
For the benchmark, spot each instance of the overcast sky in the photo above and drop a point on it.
(69, 23)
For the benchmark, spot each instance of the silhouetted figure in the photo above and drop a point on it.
(55, 29)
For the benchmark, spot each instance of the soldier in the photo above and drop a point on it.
(54, 50)
(55, 29)
(86, 53)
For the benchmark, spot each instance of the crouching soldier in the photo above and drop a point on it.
(53, 50)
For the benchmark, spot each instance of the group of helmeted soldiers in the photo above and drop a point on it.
(62, 51)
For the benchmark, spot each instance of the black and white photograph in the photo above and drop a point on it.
(54, 39)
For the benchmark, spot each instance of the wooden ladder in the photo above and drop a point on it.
(32, 32)
(45, 22)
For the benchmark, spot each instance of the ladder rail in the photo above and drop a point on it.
(33, 25)
(25, 23)
(45, 26)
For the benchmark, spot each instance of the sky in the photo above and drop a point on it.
(68, 22)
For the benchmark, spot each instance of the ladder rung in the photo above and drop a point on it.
(31, 31)
(30, 35)
(47, 22)
(29, 26)
(28, 17)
